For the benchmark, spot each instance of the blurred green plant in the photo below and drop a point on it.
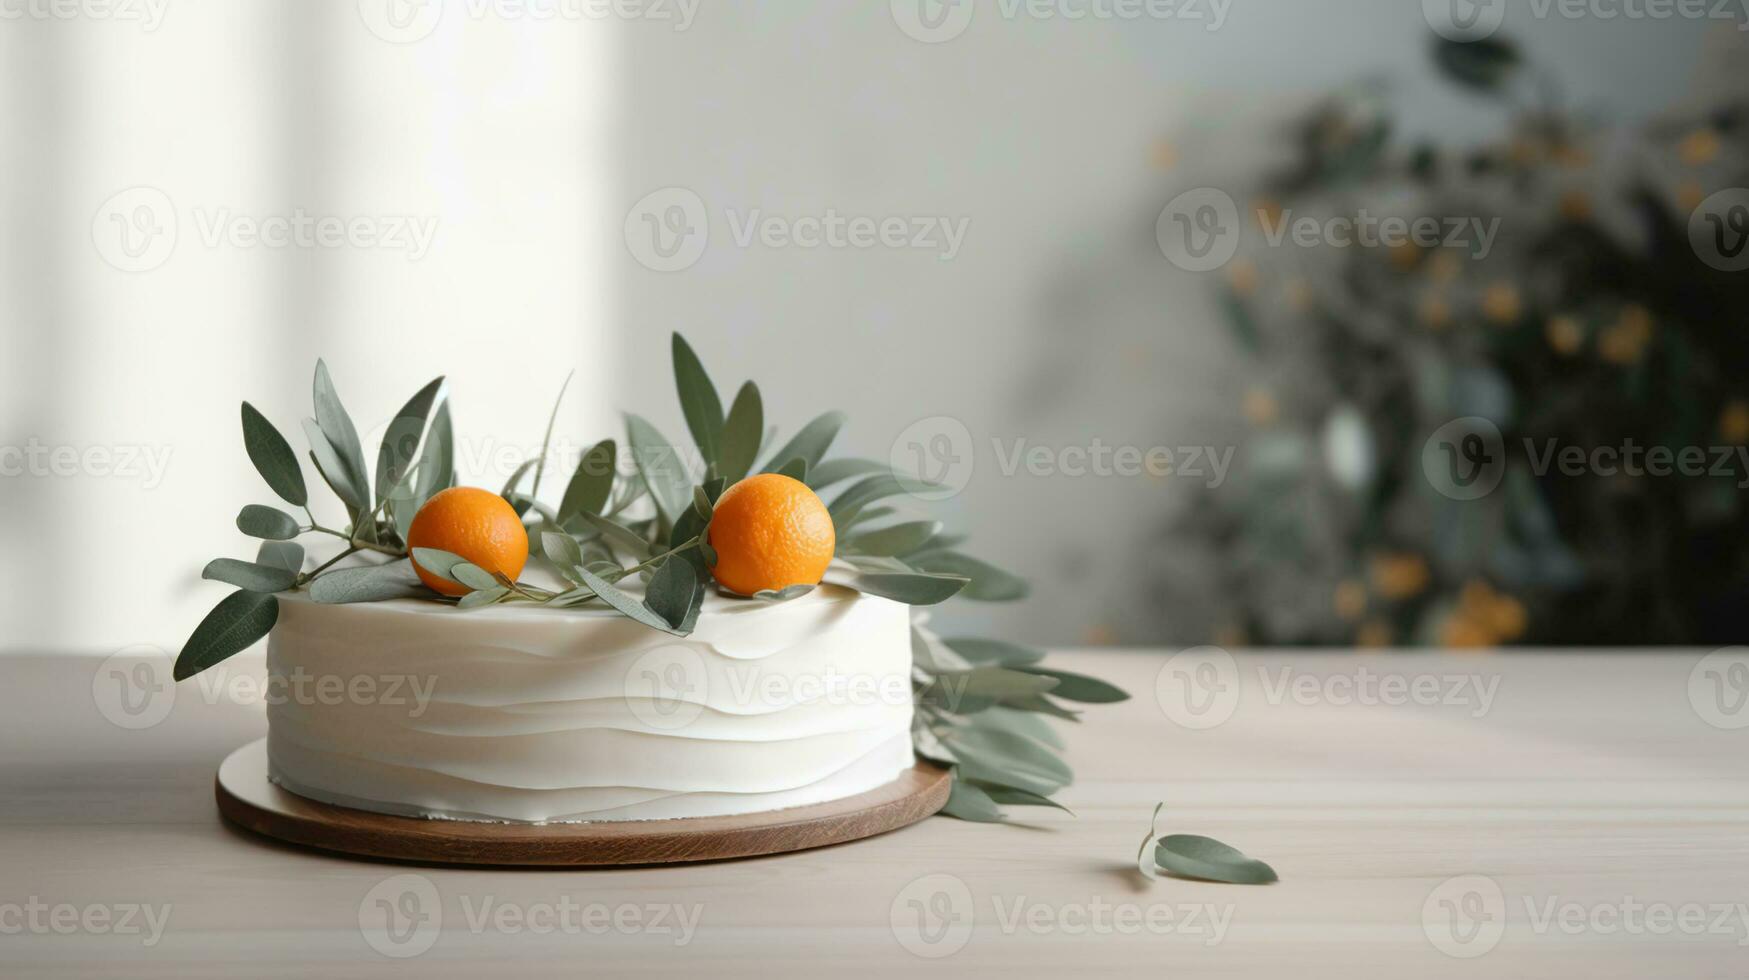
(1590, 322)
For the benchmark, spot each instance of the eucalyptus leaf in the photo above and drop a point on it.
(592, 484)
(896, 539)
(849, 504)
(669, 594)
(911, 589)
(662, 468)
(981, 651)
(1015, 796)
(345, 469)
(438, 563)
(233, 626)
(1043, 705)
(249, 575)
(561, 549)
(1193, 856)
(1022, 723)
(795, 469)
(437, 459)
(1080, 687)
(698, 401)
(627, 605)
(810, 444)
(401, 440)
(967, 802)
(701, 502)
(988, 583)
(288, 555)
(273, 457)
(1011, 753)
(838, 470)
(369, 583)
(482, 597)
(261, 521)
(742, 433)
(472, 576)
(515, 480)
(333, 470)
(617, 535)
(993, 682)
(547, 440)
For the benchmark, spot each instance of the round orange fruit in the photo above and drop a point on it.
(476, 524)
(770, 532)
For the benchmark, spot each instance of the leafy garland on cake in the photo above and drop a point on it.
(980, 704)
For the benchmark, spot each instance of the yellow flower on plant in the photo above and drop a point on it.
(1565, 335)
(1399, 576)
(1502, 304)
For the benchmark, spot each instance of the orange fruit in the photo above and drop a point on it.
(476, 524)
(770, 532)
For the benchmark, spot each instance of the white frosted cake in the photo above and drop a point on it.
(531, 714)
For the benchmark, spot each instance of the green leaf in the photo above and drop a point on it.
(1006, 654)
(896, 539)
(288, 555)
(795, 469)
(810, 444)
(437, 459)
(261, 521)
(1207, 859)
(1000, 757)
(1015, 796)
(437, 562)
(1484, 65)
(669, 594)
(547, 440)
(701, 502)
(698, 401)
(235, 623)
(784, 594)
(988, 583)
(968, 802)
(471, 575)
(592, 484)
(1042, 705)
(249, 575)
(909, 588)
(561, 549)
(691, 525)
(370, 583)
(273, 457)
(1025, 724)
(742, 433)
(482, 597)
(1080, 687)
(662, 468)
(838, 470)
(333, 470)
(345, 471)
(617, 535)
(860, 494)
(401, 440)
(627, 605)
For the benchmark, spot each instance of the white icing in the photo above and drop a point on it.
(533, 714)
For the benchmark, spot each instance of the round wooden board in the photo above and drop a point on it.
(247, 799)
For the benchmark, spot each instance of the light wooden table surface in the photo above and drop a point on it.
(1557, 814)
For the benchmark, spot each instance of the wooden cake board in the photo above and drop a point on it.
(248, 799)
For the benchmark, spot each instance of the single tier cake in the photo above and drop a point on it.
(528, 714)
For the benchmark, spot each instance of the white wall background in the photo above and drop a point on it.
(527, 138)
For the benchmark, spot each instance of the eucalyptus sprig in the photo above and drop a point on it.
(1198, 857)
(980, 703)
